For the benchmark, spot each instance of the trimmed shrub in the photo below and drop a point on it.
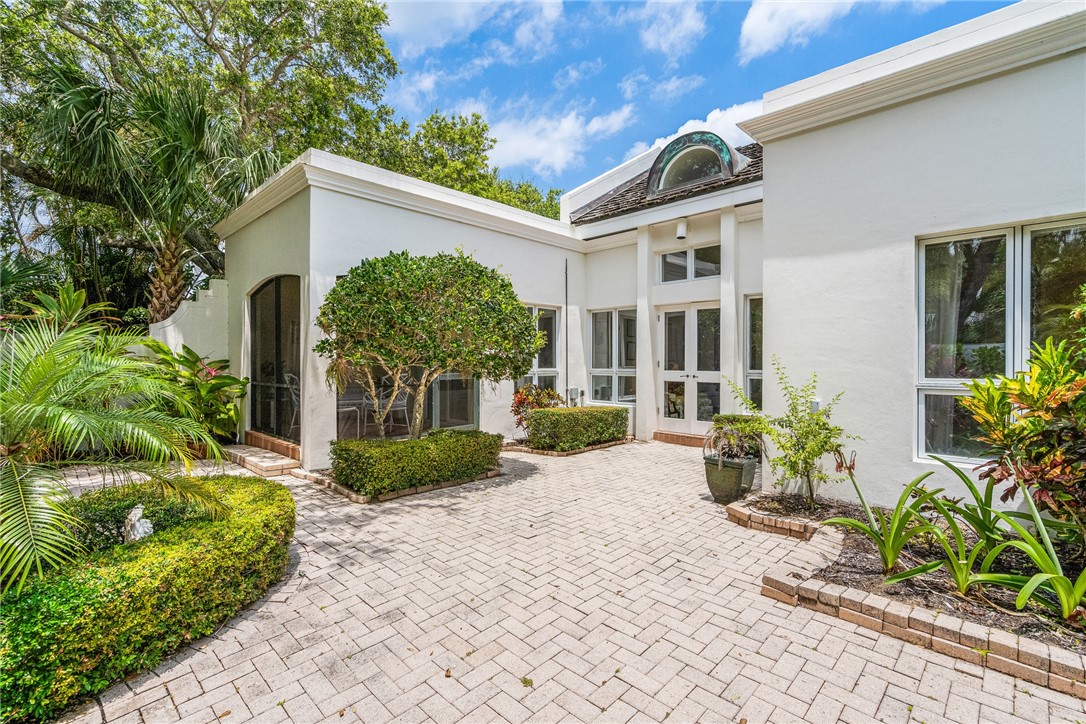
(118, 612)
(571, 428)
(373, 467)
(104, 512)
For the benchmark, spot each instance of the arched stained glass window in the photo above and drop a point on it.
(689, 159)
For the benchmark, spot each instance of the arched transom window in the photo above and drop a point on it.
(689, 159)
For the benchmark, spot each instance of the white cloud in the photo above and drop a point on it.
(631, 84)
(675, 87)
(536, 34)
(550, 144)
(421, 26)
(670, 88)
(610, 123)
(772, 24)
(414, 90)
(671, 28)
(576, 72)
(720, 121)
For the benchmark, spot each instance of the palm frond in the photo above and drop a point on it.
(35, 529)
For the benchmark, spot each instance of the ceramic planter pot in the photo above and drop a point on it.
(728, 479)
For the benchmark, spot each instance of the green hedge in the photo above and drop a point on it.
(572, 428)
(104, 512)
(373, 467)
(118, 612)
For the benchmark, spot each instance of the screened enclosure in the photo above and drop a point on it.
(275, 356)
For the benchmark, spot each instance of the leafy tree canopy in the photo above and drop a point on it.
(293, 74)
(409, 319)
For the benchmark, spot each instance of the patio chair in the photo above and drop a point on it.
(400, 405)
(294, 388)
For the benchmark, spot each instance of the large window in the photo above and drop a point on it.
(752, 364)
(451, 401)
(680, 266)
(614, 356)
(274, 358)
(984, 299)
(545, 365)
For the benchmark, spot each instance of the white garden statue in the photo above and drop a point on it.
(136, 526)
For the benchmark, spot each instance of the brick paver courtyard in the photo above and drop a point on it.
(603, 587)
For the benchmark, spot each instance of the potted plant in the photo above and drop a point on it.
(732, 450)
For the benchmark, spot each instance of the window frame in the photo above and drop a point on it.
(1018, 319)
(950, 385)
(750, 373)
(690, 264)
(615, 371)
(533, 375)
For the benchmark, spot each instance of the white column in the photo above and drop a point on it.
(731, 310)
(647, 327)
(318, 401)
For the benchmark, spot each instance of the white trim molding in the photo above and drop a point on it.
(319, 169)
(1019, 35)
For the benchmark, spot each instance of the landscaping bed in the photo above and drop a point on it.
(522, 446)
(859, 567)
(119, 611)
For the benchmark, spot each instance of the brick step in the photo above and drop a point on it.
(262, 462)
(679, 438)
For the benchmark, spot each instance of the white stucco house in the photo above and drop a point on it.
(904, 222)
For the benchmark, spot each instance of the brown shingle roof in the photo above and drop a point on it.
(633, 194)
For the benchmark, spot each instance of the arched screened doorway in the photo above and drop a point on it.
(275, 358)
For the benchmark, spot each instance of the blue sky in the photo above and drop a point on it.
(572, 89)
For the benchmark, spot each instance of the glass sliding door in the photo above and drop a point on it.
(275, 358)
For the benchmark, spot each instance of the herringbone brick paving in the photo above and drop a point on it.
(604, 587)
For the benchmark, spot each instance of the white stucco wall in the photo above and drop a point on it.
(276, 243)
(844, 205)
(346, 229)
(202, 323)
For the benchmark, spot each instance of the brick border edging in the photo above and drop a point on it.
(567, 453)
(327, 481)
(800, 528)
(1018, 656)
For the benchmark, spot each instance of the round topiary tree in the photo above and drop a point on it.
(410, 319)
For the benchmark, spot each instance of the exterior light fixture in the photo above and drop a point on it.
(680, 229)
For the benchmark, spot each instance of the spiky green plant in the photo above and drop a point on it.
(72, 393)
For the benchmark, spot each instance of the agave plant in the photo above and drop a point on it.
(72, 393)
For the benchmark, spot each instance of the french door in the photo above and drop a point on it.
(690, 367)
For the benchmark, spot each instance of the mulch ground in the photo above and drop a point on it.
(858, 566)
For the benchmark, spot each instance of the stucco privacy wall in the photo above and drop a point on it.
(844, 205)
(200, 323)
(346, 229)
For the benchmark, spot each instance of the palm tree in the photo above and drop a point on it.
(155, 150)
(72, 393)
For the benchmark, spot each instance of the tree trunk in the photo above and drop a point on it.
(810, 490)
(420, 403)
(168, 280)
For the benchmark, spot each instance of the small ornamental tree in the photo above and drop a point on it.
(803, 435)
(410, 319)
